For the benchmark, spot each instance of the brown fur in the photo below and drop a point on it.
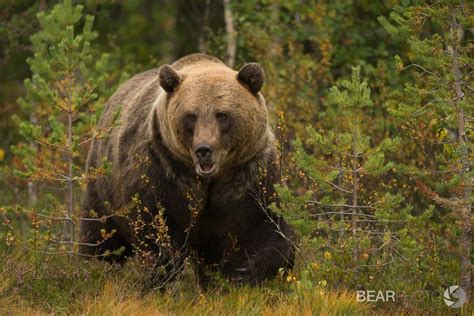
(233, 227)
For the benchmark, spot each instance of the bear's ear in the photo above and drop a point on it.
(252, 76)
(169, 78)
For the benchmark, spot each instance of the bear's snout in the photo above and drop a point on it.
(203, 152)
(205, 165)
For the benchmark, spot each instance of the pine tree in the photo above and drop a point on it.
(437, 109)
(63, 96)
(338, 169)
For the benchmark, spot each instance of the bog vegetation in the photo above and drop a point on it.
(373, 107)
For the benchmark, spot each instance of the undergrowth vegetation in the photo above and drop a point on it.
(62, 285)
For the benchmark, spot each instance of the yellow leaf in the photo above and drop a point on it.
(441, 134)
(2, 154)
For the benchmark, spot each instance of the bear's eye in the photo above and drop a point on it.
(224, 121)
(189, 122)
(221, 117)
(191, 117)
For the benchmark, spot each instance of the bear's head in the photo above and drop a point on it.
(211, 117)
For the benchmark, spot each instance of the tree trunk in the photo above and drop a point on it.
(205, 19)
(355, 194)
(465, 209)
(33, 186)
(340, 193)
(274, 18)
(69, 227)
(231, 35)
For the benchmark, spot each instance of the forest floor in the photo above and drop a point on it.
(58, 285)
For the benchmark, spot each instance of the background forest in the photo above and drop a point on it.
(373, 107)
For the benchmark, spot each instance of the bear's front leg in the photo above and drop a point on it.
(267, 248)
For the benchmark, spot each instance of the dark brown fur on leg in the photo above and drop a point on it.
(99, 236)
(258, 259)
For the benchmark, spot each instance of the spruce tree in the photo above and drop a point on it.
(437, 110)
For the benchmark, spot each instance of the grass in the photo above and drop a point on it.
(236, 301)
(60, 285)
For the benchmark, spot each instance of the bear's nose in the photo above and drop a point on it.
(203, 151)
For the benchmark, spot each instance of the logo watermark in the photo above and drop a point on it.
(454, 296)
(375, 296)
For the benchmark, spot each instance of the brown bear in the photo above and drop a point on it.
(192, 142)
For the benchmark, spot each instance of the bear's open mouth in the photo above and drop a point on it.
(205, 168)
